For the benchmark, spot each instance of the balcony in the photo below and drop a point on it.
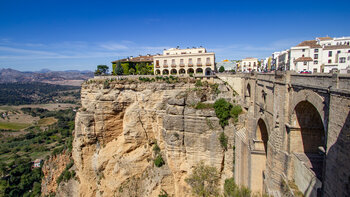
(208, 64)
(157, 66)
(165, 66)
(199, 64)
(182, 65)
(190, 64)
(173, 65)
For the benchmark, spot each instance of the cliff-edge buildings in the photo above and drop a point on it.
(175, 61)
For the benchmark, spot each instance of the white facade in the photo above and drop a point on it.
(323, 55)
(249, 64)
(176, 61)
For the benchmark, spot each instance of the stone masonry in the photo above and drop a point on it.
(296, 133)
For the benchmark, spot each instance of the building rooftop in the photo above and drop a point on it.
(310, 43)
(304, 59)
(325, 38)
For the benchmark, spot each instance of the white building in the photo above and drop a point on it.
(323, 54)
(175, 61)
(249, 64)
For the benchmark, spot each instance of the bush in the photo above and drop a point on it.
(235, 111)
(201, 105)
(222, 110)
(221, 69)
(232, 190)
(156, 149)
(223, 140)
(163, 194)
(198, 83)
(204, 180)
(159, 161)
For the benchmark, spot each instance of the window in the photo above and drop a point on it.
(316, 56)
(338, 51)
(181, 61)
(342, 60)
(173, 62)
(165, 62)
(199, 60)
(329, 61)
(305, 63)
(315, 70)
(349, 58)
(303, 55)
(316, 50)
(330, 54)
(190, 61)
(157, 63)
(348, 51)
(199, 51)
(303, 50)
(183, 52)
(208, 59)
(316, 62)
(167, 53)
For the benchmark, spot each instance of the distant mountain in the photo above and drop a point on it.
(70, 77)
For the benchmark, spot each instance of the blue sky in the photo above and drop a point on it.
(75, 34)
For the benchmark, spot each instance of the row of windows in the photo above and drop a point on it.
(249, 64)
(183, 53)
(199, 61)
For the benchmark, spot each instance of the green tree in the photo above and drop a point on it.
(204, 180)
(114, 65)
(101, 70)
(222, 111)
(231, 189)
(221, 69)
(119, 69)
(131, 71)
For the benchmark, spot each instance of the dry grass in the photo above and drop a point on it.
(13, 125)
(47, 121)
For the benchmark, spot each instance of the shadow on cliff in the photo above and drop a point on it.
(337, 172)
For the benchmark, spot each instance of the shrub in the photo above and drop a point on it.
(198, 83)
(159, 161)
(222, 110)
(204, 180)
(232, 190)
(235, 111)
(156, 149)
(201, 105)
(223, 140)
(163, 194)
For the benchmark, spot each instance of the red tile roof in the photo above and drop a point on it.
(304, 59)
(310, 43)
(325, 38)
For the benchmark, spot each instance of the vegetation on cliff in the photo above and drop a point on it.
(225, 110)
(204, 180)
(18, 178)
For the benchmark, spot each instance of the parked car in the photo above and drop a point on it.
(305, 72)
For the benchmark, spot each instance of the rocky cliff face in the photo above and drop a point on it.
(119, 124)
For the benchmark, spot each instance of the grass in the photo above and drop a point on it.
(13, 125)
(201, 105)
(47, 121)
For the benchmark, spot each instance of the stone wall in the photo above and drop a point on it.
(297, 111)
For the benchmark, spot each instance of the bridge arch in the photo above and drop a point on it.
(259, 156)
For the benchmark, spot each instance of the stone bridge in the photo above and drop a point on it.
(296, 133)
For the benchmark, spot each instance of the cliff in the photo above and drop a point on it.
(121, 121)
